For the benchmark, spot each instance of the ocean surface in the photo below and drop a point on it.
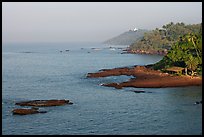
(58, 71)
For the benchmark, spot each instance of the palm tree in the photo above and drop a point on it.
(192, 64)
(193, 38)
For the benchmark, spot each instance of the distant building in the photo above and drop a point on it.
(175, 70)
(135, 29)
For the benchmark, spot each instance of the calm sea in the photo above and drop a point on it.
(41, 71)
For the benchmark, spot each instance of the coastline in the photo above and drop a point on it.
(149, 52)
(146, 77)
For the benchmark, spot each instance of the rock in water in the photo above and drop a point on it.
(116, 85)
(44, 103)
(139, 91)
(25, 111)
(198, 102)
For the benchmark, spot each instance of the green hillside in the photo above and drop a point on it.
(161, 40)
(126, 38)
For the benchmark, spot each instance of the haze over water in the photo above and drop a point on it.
(89, 21)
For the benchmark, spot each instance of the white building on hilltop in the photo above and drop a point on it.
(135, 29)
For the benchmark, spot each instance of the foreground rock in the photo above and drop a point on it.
(44, 103)
(145, 77)
(26, 111)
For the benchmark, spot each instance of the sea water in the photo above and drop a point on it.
(58, 71)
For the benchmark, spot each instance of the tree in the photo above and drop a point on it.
(194, 39)
(192, 64)
(182, 24)
(186, 52)
(159, 39)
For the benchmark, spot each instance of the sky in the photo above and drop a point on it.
(89, 21)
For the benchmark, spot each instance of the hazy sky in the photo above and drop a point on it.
(89, 21)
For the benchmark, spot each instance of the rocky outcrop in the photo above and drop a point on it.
(110, 72)
(145, 77)
(26, 111)
(44, 103)
(37, 103)
(116, 85)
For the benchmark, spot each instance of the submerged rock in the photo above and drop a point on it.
(44, 103)
(25, 111)
(139, 91)
(198, 102)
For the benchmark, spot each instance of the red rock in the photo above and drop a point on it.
(116, 85)
(44, 103)
(25, 111)
(145, 77)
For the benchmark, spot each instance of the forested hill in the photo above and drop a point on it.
(185, 53)
(126, 38)
(160, 40)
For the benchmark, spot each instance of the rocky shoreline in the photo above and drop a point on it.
(145, 77)
(149, 52)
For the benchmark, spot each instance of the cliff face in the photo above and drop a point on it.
(126, 38)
